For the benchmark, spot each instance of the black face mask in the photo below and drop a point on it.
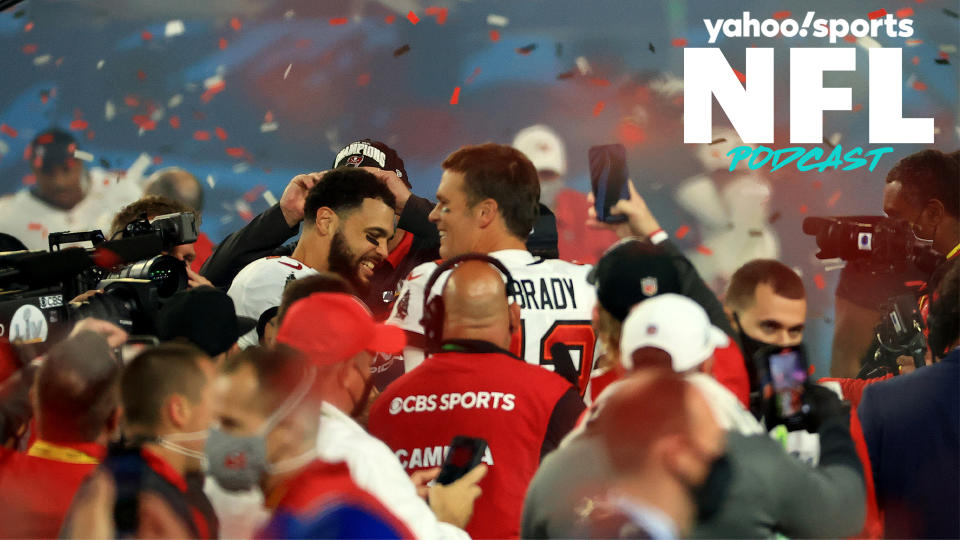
(710, 495)
(751, 347)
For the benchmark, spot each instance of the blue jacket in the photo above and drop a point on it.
(912, 428)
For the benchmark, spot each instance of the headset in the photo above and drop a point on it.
(433, 310)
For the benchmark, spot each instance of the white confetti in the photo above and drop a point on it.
(241, 168)
(173, 28)
(139, 166)
(948, 48)
(157, 114)
(289, 14)
(242, 207)
(868, 42)
(84, 156)
(41, 60)
(210, 181)
(287, 72)
(835, 138)
(101, 63)
(175, 101)
(912, 79)
(269, 197)
(583, 65)
(109, 111)
(4, 148)
(210, 82)
(226, 219)
(497, 20)
(268, 126)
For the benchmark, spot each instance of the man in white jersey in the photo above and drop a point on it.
(347, 219)
(487, 203)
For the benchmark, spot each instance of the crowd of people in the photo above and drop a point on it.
(411, 368)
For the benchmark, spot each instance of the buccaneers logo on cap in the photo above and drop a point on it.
(649, 285)
(354, 160)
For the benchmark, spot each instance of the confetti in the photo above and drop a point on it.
(679, 42)
(28, 27)
(254, 192)
(651, 47)
(412, 17)
(868, 42)
(583, 65)
(919, 86)
(142, 75)
(903, 13)
(146, 35)
(915, 60)
(100, 64)
(109, 111)
(8, 131)
(236, 151)
(175, 122)
(835, 139)
(210, 181)
(832, 201)
(268, 117)
(78, 125)
(212, 91)
(819, 281)
(236, 24)
(849, 38)
(241, 167)
(803, 209)
(363, 79)
(338, 21)
(174, 28)
(682, 232)
(41, 60)
(527, 49)
(83, 156)
(287, 71)
(29, 179)
(567, 74)
(816, 184)
(289, 14)
(455, 97)
(201, 135)
(269, 197)
(598, 108)
(857, 107)
(438, 13)
(780, 15)
(948, 48)
(913, 42)
(494, 36)
(878, 14)
(599, 82)
(268, 126)
(29, 48)
(951, 13)
(942, 61)
(704, 250)
(472, 76)
(400, 51)
(740, 75)
(390, 19)
(222, 44)
(497, 20)
(221, 134)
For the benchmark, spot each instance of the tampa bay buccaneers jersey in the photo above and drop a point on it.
(259, 287)
(556, 305)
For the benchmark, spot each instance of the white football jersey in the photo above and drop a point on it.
(259, 287)
(556, 306)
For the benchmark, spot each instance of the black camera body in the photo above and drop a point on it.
(884, 244)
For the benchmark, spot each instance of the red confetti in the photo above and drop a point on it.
(28, 27)
(175, 122)
(78, 125)
(268, 117)
(412, 17)
(29, 180)
(903, 13)
(212, 91)
(34, 226)
(598, 108)
(29, 48)
(816, 184)
(472, 76)
(832, 201)
(455, 98)
(858, 107)
(849, 38)
(236, 151)
(878, 14)
(140, 119)
(245, 214)
(819, 281)
(131, 101)
(631, 134)
(303, 43)
(679, 42)
(201, 135)
(494, 36)
(157, 160)
(914, 283)
(149, 125)
(944, 55)
(915, 60)
(254, 192)
(146, 35)
(438, 12)
(222, 43)
(682, 231)
(781, 14)
(912, 42)
(599, 82)
(803, 209)
(9, 131)
(919, 86)
(363, 79)
(704, 250)
(141, 75)
(390, 19)
(90, 135)
(236, 24)
(337, 21)
(221, 134)
(740, 75)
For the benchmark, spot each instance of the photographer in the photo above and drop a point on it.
(923, 190)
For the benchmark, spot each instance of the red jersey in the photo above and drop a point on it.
(36, 488)
(576, 241)
(521, 410)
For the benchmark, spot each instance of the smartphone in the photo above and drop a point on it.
(787, 373)
(608, 179)
(465, 454)
(134, 345)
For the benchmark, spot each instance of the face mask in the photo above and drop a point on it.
(170, 443)
(750, 345)
(711, 494)
(238, 462)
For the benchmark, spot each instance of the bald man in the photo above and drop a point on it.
(182, 186)
(473, 386)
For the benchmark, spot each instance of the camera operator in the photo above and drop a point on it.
(923, 190)
(180, 185)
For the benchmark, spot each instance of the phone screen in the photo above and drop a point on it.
(608, 179)
(787, 375)
(465, 453)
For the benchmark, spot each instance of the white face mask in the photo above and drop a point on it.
(170, 443)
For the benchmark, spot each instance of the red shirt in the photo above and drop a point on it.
(204, 248)
(36, 488)
(493, 396)
(576, 241)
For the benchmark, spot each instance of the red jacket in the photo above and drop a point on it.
(36, 488)
(521, 410)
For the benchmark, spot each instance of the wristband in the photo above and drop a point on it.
(657, 236)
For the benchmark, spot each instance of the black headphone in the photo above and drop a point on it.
(433, 310)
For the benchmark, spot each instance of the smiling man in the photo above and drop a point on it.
(347, 220)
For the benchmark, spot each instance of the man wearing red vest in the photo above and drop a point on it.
(473, 386)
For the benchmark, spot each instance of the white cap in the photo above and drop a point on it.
(674, 324)
(543, 147)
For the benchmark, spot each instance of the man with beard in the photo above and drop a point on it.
(348, 218)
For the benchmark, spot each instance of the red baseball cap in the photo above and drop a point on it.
(334, 327)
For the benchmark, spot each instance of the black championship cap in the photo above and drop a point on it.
(367, 153)
(205, 317)
(542, 241)
(631, 271)
(52, 148)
